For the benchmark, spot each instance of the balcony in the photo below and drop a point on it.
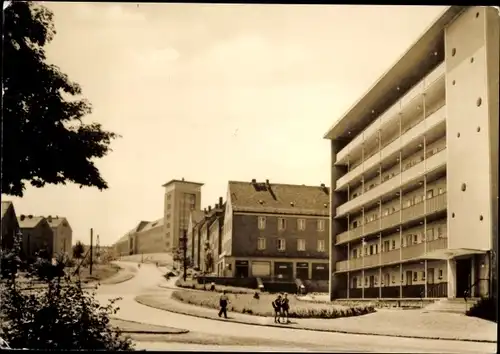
(427, 165)
(406, 138)
(416, 211)
(390, 114)
(394, 256)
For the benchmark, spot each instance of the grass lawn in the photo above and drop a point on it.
(193, 284)
(246, 303)
(99, 272)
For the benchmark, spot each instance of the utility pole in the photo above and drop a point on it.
(91, 243)
(184, 253)
(98, 250)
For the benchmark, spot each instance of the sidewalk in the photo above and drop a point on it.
(395, 323)
(131, 327)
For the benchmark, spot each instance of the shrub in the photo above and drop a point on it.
(58, 316)
(188, 284)
(246, 303)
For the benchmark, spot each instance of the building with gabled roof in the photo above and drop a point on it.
(149, 239)
(195, 218)
(37, 236)
(10, 225)
(126, 245)
(63, 234)
(273, 230)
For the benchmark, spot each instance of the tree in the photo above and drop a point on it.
(78, 250)
(59, 316)
(43, 132)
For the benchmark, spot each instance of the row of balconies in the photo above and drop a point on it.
(392, 113)
(429, 164)
(407, 137)
(403, 254)
(413, 212)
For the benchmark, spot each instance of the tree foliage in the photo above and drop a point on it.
(78, 250)
(60, 315)
(43, 132)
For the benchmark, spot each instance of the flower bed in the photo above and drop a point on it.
(190, 284)
(246, 303)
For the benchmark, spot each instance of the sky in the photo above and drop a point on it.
(212, 93)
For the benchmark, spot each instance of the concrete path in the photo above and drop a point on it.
(149, 277)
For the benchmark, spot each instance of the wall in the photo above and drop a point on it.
(150, 239)
(227, 234)
(10, 227)
(38, 237)
(246, 233)
(63, 238)
(471, 197)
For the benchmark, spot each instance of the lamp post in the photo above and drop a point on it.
(184, 253)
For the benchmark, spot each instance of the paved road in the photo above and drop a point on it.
(148, 277)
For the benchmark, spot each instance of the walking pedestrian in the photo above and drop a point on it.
(285, 307)
(223, 302)
(277, 309)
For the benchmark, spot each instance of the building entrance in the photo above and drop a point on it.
(463, 276)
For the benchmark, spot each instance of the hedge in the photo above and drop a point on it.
(246, 303)
(218, 288)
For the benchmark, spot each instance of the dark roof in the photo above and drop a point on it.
(262, 197)
(56, 221)
(181, 181)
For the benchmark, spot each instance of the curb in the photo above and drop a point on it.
(127, 278)
(172, 330)
(318, 329)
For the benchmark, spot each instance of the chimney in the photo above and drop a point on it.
(220, 202)
(267, 181)
(323, 185)
(30, 216)
(23, 217)
(205, 210)
(49, 218)
(182, 179)
(209, 208)
(254, 181)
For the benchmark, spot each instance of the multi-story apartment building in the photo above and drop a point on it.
(10, 225)
(195, 218)
(149, 239)
(210, 237)
(63, 234)
(181, 197)
(414, 170)
(127, 244)
(275, 230)
(37, 236)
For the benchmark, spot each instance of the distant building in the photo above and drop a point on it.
(275, 230)
(10, 225)
(414, 169)
(181, 197)
(210, 237)
(37, 236)
(195, 218)
(127, 245)
(63, 234)
(149, 239)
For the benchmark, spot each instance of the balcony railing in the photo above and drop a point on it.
(394, 256)
(411, 173)
(388, 116)
(416, 211)
(389, 148)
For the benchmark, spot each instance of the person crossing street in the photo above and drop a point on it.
(223, 302)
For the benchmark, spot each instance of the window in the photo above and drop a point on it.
(440, 191)
(440, 274)
(169, 196)
(354, 224)
(386, 212)
(376, 248)
(415, 239)
(366, 281)
(423, 275)
(366, 251)
(386, 246)
(440, 232)
(371, 249)
(301, 244)
(430, 193)
(321, 225)
(408, 203)
(262, 222)
(415, 276)
(281, 244)
(430, 234)
(169, 206)
(301, 224)
(393, 244)
(417, 199)
(261, 244)
(168, 225)
(168, 216)
(321, 246)
(281, 224)
(393, 278)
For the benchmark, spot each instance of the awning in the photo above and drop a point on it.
(447, 254)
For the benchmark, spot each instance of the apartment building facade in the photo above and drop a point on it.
(210, 237)
(37, 236)
(63, 234)
(275, 231)
(149, 238)
(414, 170)
(9, 224)
(127, 244)
(181, 197)
(195, 218)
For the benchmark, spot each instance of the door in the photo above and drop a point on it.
(372, 281)
(409, 277)
(302, 271)
(430, 275)
(464, 276)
